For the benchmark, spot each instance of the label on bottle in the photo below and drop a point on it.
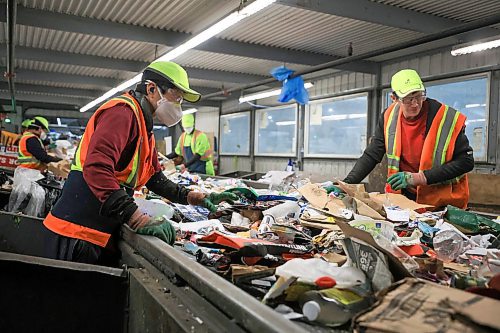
(343, 296)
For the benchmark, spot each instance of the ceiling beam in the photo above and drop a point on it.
(43, 89)
(373, 12)
(89, 26)
(46, 98)
(68, 58)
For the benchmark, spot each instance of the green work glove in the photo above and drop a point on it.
(163, 230)
(245, 192)
(399, 180)
(335, 190)
(211, 201)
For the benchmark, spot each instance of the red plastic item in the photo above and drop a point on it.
(325, 282)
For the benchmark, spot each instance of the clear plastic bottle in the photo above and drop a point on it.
(448, 245)
(333, 306)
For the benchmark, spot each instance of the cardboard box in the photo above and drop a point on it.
(413, 305)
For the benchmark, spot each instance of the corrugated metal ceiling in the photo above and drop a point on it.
(300, 29)
(277, 26)
(188, 16)
(463, 10)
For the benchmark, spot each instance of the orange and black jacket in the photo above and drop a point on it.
(462, 162)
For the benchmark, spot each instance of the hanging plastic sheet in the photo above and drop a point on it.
(293, 88)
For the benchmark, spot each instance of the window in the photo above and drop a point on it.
(235, 134)
(336, 127)
(469, 96)
(276, 131)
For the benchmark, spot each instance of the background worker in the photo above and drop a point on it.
(27, 196)
(116, 155)
(32, 154)
(194, 147)
(428, 152)
(24, 125)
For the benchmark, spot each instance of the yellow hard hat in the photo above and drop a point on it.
(40, 121)
(188, 120)
(405, 82)
(177, 76)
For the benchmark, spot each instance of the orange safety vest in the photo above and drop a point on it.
(24, 158)
(208, 154)
(82, 219)
(140, 168)
(438, 149)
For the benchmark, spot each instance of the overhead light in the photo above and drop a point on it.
(285, 123)
(268, 93)
(344, 116)
(476, 105)
(476, 46)
(203, 36)
(189, 111)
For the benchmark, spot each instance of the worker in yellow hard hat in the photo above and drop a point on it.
(116, 156)
(25, 124)
(31, 153)
(194, 147)
(424, 140)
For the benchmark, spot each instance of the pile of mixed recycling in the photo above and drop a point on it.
(345, 257)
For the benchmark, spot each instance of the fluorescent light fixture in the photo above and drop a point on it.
(268, 93)
(470, 106)
(189, 111)
(285, 123)
(476, 46)
(203, 36)
(474, 121)
(344, 116)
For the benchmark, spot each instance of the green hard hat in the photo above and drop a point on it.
(405, 82)
(26, 123)
(188, 120)
(177, 76)
(41, 121)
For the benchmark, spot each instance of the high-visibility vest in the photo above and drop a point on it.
(24, 158)
(439, 145)
(140, 169)
(208, 154)
(77, 213)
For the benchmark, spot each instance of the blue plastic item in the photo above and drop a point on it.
(293, 88)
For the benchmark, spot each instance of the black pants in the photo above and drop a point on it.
(77, 250)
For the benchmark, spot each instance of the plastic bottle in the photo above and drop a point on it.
(333, 306)
(448, 245)
(289, 166)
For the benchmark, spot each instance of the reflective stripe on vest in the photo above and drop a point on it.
(140, 168)
(24, 157)
(391, 130)
(208, 154)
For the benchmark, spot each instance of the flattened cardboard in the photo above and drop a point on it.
(398, 200)
(413, 305)
(317, 196)
(395, 266)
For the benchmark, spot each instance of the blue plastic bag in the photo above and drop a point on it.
(293, 88)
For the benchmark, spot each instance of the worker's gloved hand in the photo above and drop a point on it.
(401, 180)
(139, 219)
(181, 168)
(337, 191)
(211, 201)
(160, 228)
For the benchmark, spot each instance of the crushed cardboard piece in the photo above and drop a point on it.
(317, 197)
(397, 269)
(60, 169)
(398, 200)
(418, 306)
(333, 258)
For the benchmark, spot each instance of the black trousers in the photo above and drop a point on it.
(77, 250)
